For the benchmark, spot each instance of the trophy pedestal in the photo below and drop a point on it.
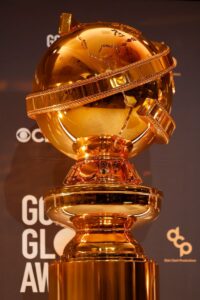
(120, 279)
(103, 261)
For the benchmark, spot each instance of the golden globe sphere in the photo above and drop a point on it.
(103, 80)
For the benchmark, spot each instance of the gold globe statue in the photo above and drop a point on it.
(103, 93)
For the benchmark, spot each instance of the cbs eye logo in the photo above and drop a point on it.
(24, 135)
(173, 235)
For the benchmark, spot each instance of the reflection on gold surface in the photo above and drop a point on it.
(136, 204)
(116, 115)
(103, 93)
(63, 128)
(97, 280)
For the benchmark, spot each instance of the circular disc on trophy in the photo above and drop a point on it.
(140, 203)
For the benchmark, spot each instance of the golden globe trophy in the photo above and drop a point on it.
(103, 93)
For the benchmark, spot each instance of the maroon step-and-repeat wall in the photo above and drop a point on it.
(29, 165)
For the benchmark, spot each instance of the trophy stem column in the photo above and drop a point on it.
(103, 262)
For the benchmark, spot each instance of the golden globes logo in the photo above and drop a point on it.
(35, 276)
(185, 248)
(62, 238)
(34, 246)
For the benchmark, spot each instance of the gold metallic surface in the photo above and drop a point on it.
(86, 87)
(104, 280)
(139, 126)
(65, 23)
(160, 119)
(103, 93)
(92, 87)
(100, 86)
(140, 202)
(81, 57)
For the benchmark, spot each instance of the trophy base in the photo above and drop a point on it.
(103, 261)
(120, 279)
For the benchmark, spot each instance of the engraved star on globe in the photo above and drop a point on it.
(103, 93)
